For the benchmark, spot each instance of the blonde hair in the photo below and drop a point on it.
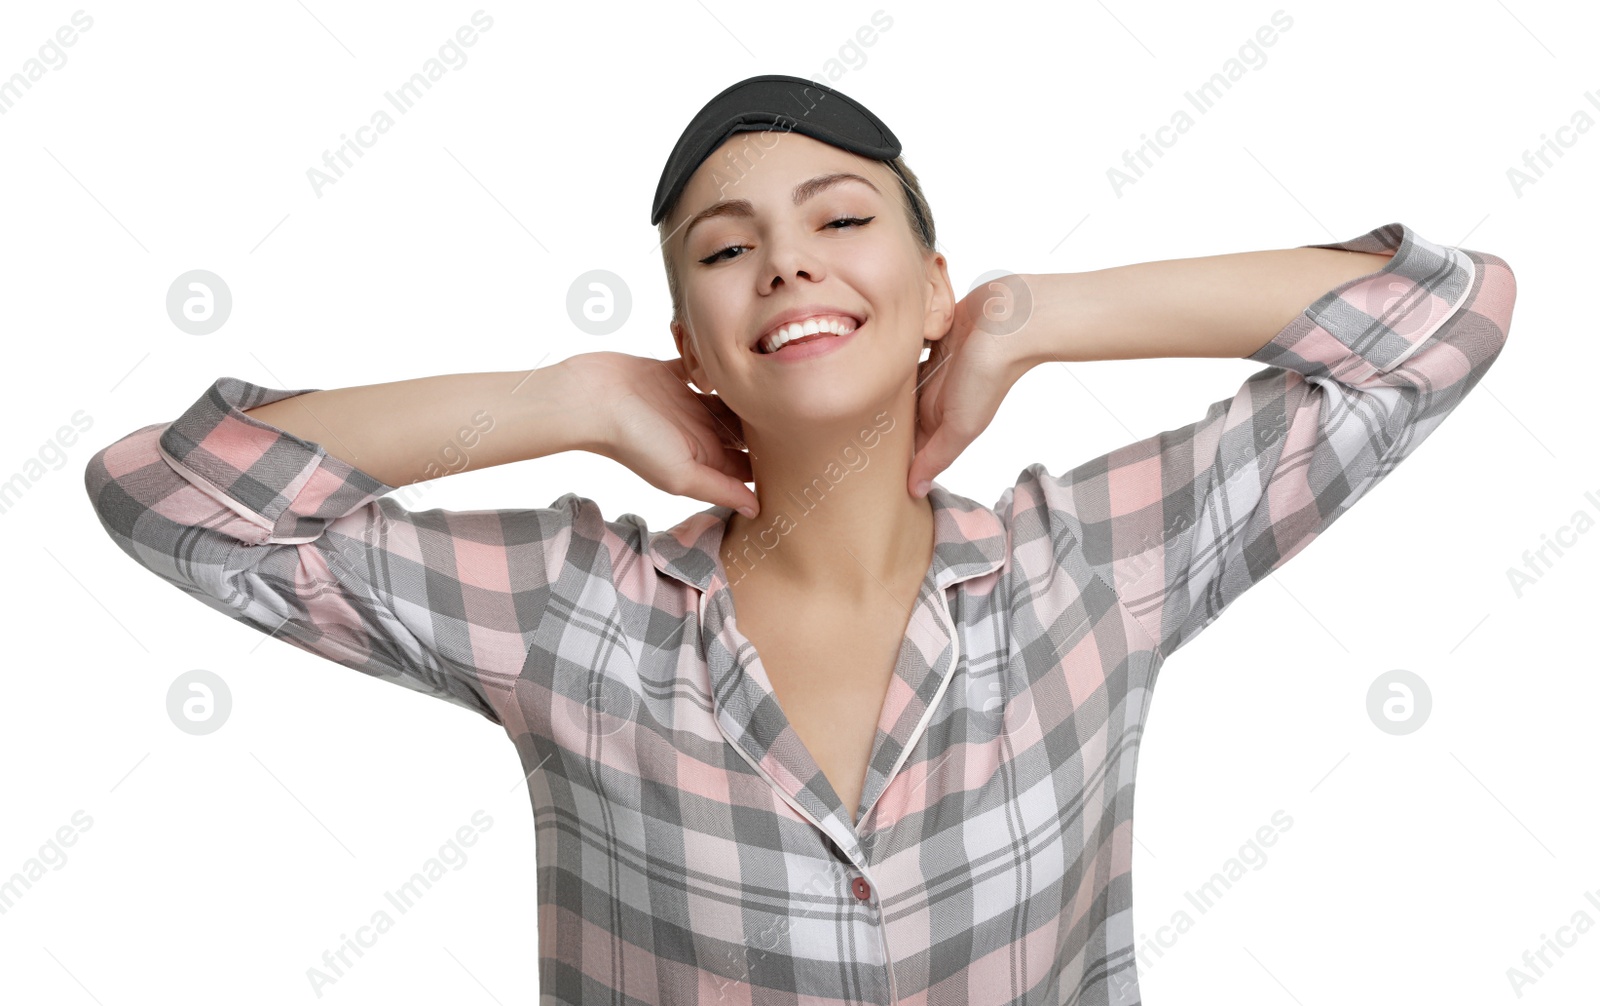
(918, 215)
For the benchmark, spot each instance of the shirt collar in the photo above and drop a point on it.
(969, 540)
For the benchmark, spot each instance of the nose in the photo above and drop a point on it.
(778, 277)
(788, 260)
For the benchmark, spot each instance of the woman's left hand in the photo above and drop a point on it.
(966, 376)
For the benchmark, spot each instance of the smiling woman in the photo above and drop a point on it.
(887, 753)
(778, 172)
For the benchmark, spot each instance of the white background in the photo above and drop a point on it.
(178, 136)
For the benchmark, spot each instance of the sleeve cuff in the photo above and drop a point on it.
(288, 487)
(1384, 317)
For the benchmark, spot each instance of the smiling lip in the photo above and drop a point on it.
(800, 313)
(794, 352)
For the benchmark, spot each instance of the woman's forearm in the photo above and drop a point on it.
(424, 428)
(1217, 305)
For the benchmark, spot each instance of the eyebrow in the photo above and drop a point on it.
(805, 190)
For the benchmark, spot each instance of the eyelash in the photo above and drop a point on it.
(715, 256)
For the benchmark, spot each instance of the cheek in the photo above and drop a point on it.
(883, 267)
(713, 330)
(700, 300)
(890, 286)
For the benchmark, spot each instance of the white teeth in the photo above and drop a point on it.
(811, 326)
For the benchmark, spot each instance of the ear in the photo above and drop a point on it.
(940, 308)
(691, 361)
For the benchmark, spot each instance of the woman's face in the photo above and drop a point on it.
(786, 238)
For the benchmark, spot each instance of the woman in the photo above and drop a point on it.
(905, 771)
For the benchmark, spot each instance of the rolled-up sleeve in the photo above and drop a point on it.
(277, 533)
(1183, 522)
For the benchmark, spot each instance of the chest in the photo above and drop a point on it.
(1010, 806)
(830, 668)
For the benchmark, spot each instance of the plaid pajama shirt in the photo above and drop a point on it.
(689, 848)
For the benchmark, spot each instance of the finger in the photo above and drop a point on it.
(707, 480)
(724, 490)
(733, 462)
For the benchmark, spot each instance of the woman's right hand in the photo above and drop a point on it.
(675, 438)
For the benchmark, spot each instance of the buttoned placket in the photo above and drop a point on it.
(931, 647)
(735, 663)
(747, 712)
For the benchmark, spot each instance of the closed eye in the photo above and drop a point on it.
(716, 256)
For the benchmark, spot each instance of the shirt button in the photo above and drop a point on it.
(862, 889)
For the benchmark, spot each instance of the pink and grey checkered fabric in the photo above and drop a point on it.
(689, 848)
